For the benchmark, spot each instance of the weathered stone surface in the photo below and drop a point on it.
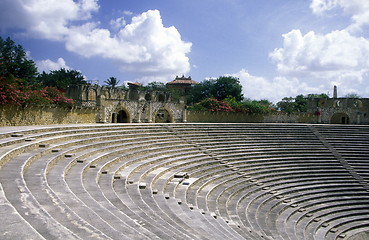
(303, 182)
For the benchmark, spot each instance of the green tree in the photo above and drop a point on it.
(266, 103)
(155, 86)
(352, 95)
(201, 91)
(298, 103)
(61, 78)
(112, 82)
(227, 86)
(219, 88)
(13, 61)
(314, 95)
(287, 104)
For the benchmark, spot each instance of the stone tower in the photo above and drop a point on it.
(335, 92)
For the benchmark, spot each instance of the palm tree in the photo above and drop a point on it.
(112, 82)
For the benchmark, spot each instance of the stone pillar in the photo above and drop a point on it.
(335, 92)
(102, 114)
(358, 118)
(150, 113)
(139, 116)
(185, 114)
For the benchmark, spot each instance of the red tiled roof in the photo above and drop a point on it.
(134, 84)
(182, 80)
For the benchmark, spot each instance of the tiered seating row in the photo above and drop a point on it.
(281, 170)
(184, 181)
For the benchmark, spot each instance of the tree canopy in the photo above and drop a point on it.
(18, 80)
(13, 61)
(219, 89)
(155, 86)
(112, 82)
(62, 78)
(298, 103)
(352, 95)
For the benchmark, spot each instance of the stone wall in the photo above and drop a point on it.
(224, 117)
(44, 115)
(340, 110)
(139, 105)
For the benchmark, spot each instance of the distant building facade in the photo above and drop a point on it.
(340, 110)
(184, 84)
(135, 104)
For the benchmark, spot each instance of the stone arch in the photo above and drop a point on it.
(340, 118)
(163, 115)
(358, 104)
(148, 97)
(161, 98)
(123, 116)
(92, 95)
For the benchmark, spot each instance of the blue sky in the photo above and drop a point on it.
(276, 48)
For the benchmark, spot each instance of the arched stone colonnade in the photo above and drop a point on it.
(141, 112)
(132, 105)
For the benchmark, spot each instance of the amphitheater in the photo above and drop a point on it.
(184, 181)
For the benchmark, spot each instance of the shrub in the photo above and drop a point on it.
(14, 91)
(212, 105)
(230, 104)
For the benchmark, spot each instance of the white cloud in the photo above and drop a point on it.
(128, 13)
(337, 58)
(315, 54)
(358, 10)
(118, 23)
(144, 46)
(255, 87)
(47, 19)
(321, 6)
(320, 61)
(48, 65)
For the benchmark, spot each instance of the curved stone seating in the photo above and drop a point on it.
(143, 171)
(184, 181)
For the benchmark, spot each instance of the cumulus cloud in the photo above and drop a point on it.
(128, 13)
(336, 58)
(256, 87)
(48, 19)
(145, 46)
(358, 10)
(49, 65)
(334, 53)
(340, 57)
(118, 23)
(320, 61)
(313, 62)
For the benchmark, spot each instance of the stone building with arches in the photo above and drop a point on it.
(340, 110)
(133, 105)
(140, 105)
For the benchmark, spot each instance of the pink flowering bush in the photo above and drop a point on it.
(57, 97)
(212, 105)
(14, 91)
